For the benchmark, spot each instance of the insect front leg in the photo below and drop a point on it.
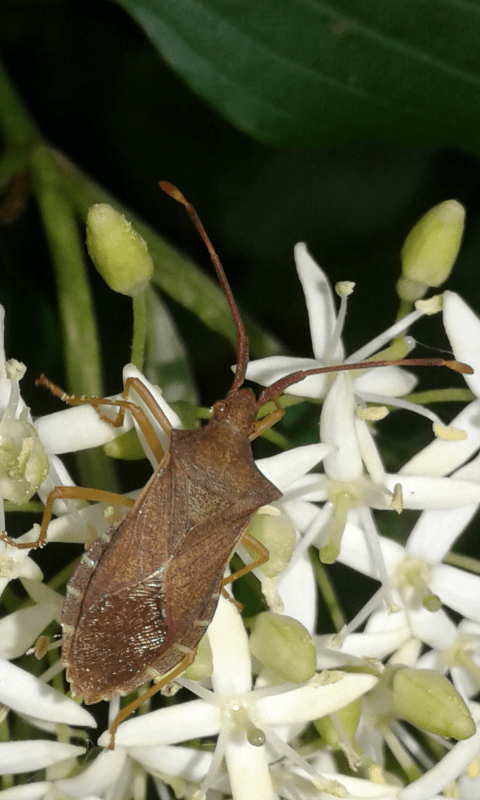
(122, 405)
(270, 420)
(67, 493)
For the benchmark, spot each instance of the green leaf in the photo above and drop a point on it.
(305, 74)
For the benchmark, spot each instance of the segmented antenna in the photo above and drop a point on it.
(242, 340)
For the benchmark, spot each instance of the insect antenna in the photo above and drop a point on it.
(242, 340)
(295, 377)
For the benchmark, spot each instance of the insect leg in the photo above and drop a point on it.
(253, 544)
(122, 404)
(125, 712)
(67, 493)
(271, 419)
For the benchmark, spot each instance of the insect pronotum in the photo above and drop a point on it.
(144, 593)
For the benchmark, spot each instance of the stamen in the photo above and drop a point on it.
(337, 330)
(385, 338)
(373, 543)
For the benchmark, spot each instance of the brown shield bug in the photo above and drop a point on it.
(144, 593)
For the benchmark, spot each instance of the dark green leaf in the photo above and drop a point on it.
(305, 73)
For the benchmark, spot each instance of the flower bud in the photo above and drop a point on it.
(284, 645)
(427, 699)
(349, 717)
(277, 534)
(117, 250)
(202, 666)
(430, 250)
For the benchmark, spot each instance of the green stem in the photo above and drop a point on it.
(174, 274)
(441, 396)
(79, 328)
(139, 329)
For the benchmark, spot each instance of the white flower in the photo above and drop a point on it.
(242, 717)
(326, 330)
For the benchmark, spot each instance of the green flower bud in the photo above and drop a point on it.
(349, 717)
(203, 664)
(117, 250)
(284, 645)
(427, 699)
(126, 447)
(430, 250)
(277, 534)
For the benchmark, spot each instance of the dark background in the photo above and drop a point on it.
(101, 93)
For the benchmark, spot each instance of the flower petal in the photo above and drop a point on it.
(228, 639)
(325, 693)
(285, 468)
(426, 492)
(248, 770)
(168, 725)
(390, 381)
(97, 777)
(320, 305)
(181, 762)
(436, 531)
(443, 456)
(19, 629)
(463, 330)
(337, 428)
(28, 695)
(27, 756)
(266, 371)
(457, 589)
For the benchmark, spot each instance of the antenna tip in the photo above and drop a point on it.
(459, 366)
(172, 190)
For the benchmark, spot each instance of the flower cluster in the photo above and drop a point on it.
(383, 708)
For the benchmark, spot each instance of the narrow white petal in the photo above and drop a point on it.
(266, 371)
(436, 531)
(20, 629)
(313, 700)
(28, 695)
(96, 778)
(463, 330)
(168, 725)
(457, 589)
(433, 628)
(337, 428)
(27, 791)
(27, 756)
(297, 588)
(231, 657)
(444, 772)
(426, 492)
(320, 304)
(285, 468)
(369, 452)
(376, 645)
(180, 762)
(442, 456)
(390, 381)
(76, 428)
(248, 771)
